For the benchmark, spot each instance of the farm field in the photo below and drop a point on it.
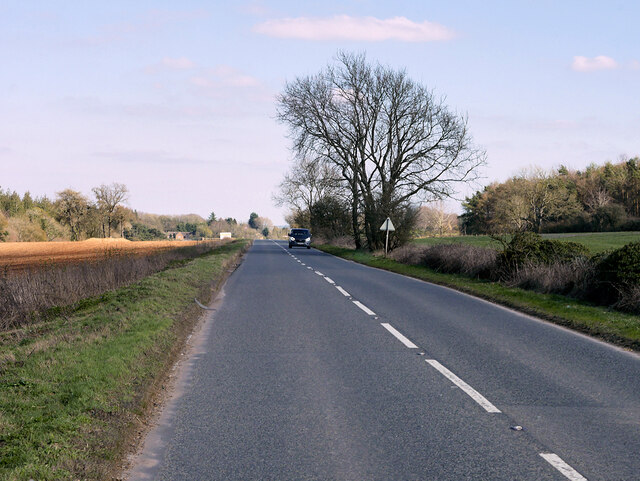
(595, 241)
(17, 256)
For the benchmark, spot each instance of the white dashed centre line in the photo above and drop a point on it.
(473, 394)
(344, 293)
(329, 280)
(399, 336)
(364, 308)
(566, 470)
(319, 273)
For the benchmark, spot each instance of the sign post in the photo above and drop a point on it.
(388, 226)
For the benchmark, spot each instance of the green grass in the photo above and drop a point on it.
(610, 325)
(595, 241)
(72, 388)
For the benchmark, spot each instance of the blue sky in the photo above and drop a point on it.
(176, 99)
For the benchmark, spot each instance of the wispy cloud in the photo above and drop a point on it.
(344, 27)
(168, 63)
(147, 157)
(224, 75)
(586, 64)
(146, 24)
(634, 65)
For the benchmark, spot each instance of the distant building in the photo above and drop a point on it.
(225, 235)
(178, 235)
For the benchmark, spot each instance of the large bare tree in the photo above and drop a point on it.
(108, 197)
(392, 141)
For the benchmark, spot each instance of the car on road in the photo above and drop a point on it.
(300, 237)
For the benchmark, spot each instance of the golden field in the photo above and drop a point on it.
(17, 256)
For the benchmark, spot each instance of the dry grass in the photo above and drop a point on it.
(629, 300)
(575, 279)
(463, 259)
(33, 290)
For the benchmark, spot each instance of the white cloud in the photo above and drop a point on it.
(224, 75)
(168, 63)
(344, 27)
(586, 64)
(181, 63)
(634, 65)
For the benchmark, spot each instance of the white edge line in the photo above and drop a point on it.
(566, 470)
(329, 280)
(399, 335)
(364, 308)
(472, 393)
(344, 293)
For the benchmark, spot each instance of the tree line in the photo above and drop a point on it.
(73, 216)
(598, 198)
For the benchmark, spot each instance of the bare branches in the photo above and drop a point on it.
(391, 140)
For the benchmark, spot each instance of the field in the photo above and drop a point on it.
(595, 241)
(18, 256)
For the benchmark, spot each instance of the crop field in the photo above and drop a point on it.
(19, 256)
(595, 241)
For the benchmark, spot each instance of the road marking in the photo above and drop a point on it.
(557, 462)
(475, 395)
(344, 293)
(302, 263)
(329, 280)
(364, 308)
(399, 336)
(310, 268)
(319, 273)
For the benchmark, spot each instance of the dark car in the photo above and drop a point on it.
(300, 237)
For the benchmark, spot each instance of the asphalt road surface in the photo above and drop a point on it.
(319, 368)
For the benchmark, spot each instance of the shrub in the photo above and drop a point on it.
(574, 278)
(620, 270)
(463, 259)
(629, 300)
(527, 248)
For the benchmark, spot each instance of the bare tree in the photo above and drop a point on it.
(391, 140)
(307, 183)
(435, 220)
(108, 197)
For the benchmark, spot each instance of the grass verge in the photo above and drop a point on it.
(607, 324)
(596, 242)
(73, 388)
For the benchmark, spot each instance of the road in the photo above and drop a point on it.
(319, 368)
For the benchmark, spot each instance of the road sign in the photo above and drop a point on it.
(387, 225)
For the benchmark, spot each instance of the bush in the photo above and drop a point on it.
(463, 259)
(527, 248)
(619, 271)
(575, 278)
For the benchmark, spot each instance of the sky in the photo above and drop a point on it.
(176, 99)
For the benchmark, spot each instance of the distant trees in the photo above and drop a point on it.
(3, 227)
(252, 220)
(388, 139)
(108, 198)
(71, 207)
(596, 199)
(434, 219)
